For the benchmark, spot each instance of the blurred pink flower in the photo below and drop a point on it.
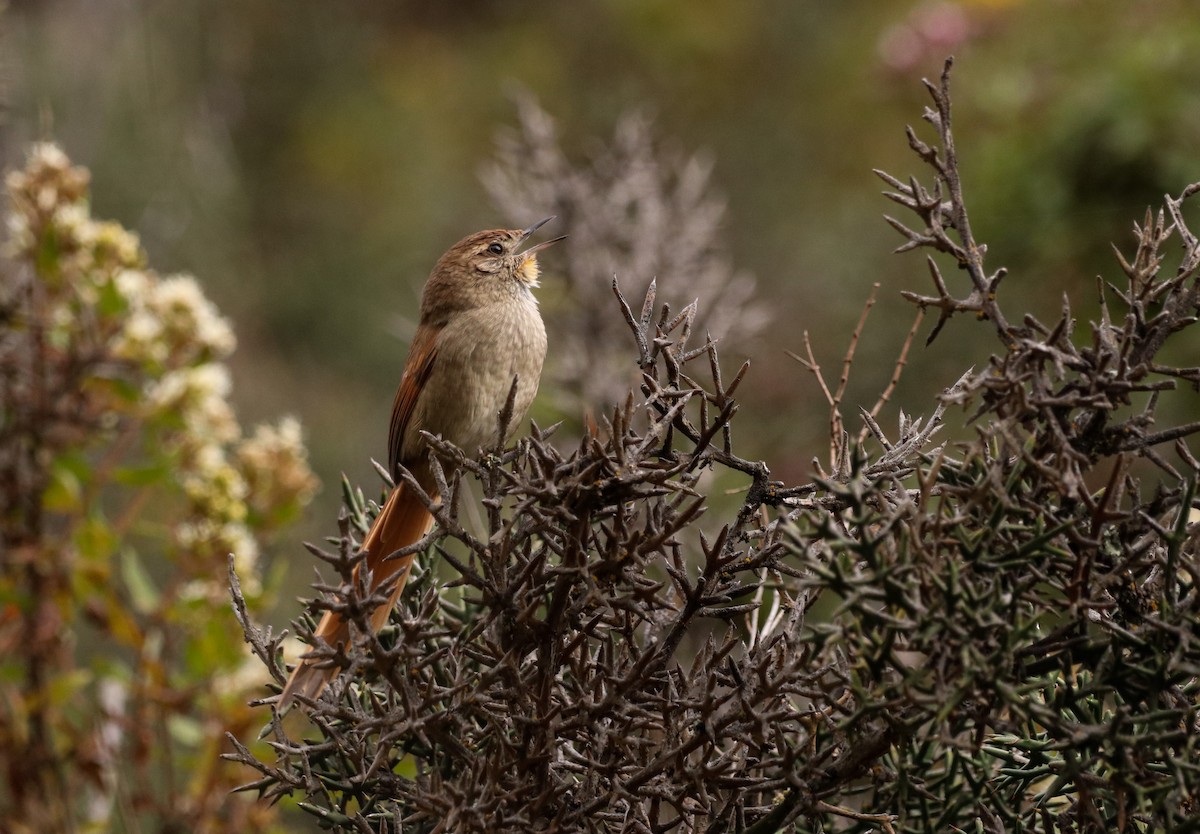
(929, 33)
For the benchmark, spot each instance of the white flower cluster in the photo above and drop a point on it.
(51, 226)
(170, 322)
(275, 462)
(50, 198)
(215, 488)
(48, 185)
(207, 536)
(197, 397)
(170, 341)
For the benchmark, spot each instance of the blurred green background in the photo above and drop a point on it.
(309, 161)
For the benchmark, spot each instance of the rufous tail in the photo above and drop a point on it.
(403, 520)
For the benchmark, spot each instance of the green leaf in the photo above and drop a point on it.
(186, 731)
(125, 389)
(65, 686)
(68, 474)
(142, 593)
(94, 539)
(214, 644)
(109, 301)
(137, 476)
(46, 258)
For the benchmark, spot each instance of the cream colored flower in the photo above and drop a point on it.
(199, 398)
(170, 321)
(219, 539)
(48, 155)
(187, 312)
(215, 489)
(196, 401)
(213, 542)
(191, 323)
(71, 224)
(140, 339)
(20, 234)
(132, 284)
(112, 246)
(274, 462)
(47, 183)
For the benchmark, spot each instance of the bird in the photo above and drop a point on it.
(480, 335)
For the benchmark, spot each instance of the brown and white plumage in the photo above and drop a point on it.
(480, 329)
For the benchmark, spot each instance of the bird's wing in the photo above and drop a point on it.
(421, 356)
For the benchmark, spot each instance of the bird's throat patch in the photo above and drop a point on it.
(529, 271)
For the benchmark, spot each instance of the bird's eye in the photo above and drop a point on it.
(496, 249)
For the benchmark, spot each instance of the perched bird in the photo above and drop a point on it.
(480, 330)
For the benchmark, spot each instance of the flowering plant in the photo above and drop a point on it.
(125, 483)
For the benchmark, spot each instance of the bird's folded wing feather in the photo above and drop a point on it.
(421, 356)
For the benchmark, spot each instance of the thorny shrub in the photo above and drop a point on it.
(997, 634)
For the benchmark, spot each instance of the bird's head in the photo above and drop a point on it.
(499, 253)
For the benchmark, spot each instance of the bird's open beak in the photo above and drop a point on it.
(525, 235)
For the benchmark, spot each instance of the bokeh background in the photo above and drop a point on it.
(309, 161)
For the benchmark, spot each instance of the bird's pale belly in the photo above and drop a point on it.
(470, 383)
